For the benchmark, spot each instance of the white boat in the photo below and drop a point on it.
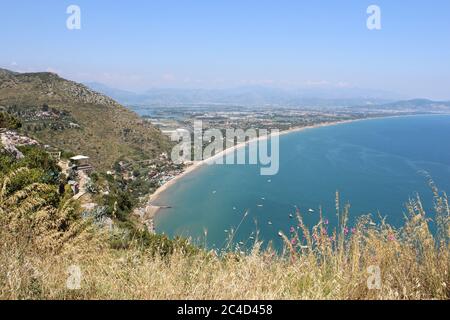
(269, 223)
(260, 205)
(311, 210)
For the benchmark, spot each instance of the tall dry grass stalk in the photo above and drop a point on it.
(317, 263)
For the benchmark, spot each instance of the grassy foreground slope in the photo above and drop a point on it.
(71, 117)
(47, 251)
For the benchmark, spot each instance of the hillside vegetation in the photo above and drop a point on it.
(48, 251)
(71, 117)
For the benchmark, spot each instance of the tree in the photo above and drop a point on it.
(9, 121)
(36, 158)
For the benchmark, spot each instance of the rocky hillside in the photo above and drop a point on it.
(72, 117)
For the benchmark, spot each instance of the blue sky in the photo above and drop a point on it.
(137, 45)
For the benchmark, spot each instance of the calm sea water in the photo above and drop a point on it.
(376, 165)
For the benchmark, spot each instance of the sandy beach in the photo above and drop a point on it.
(152, 210)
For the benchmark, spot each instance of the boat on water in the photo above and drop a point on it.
(270, 223)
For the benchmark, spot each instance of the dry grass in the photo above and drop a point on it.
(317, 264)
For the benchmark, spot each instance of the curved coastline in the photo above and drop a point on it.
(152, 210)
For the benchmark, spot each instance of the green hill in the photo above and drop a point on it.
(72, 117)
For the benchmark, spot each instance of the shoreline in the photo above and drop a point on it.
(152, 210)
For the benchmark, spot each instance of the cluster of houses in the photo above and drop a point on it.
(163, 170)
(163, 175)
(160, 170)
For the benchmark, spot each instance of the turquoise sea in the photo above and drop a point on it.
(376, 165)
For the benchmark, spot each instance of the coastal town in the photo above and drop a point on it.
(169, 118)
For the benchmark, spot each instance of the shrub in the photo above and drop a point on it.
(8, 121)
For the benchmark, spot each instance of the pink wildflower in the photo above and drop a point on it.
(346, 231)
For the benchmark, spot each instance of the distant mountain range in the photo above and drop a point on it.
(251, 96)
(417, 104)
(267, 96)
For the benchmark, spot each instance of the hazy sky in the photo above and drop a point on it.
(224, 43)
